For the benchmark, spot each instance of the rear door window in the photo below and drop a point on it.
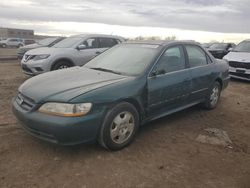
(196, 56)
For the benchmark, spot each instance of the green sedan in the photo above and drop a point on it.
(110, 97)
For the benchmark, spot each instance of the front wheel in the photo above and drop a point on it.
(119, 127)
(213, 96)
(61, 65)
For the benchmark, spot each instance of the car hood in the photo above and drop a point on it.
(64, 85)
(216, 50)
(32, 46)
(238, 56)
(46, 50)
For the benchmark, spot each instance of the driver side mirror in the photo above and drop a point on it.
(157, 72)
(81, 47)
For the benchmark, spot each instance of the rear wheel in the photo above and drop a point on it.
(213, 96)
(61, 65)
(119, 127)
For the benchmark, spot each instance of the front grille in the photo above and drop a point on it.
(237, 64)
(24, 102)
(240, 75)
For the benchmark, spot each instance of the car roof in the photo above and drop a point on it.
(223, 43)
(97, 35)
(163, 42)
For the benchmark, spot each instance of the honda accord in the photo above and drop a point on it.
(108, 98)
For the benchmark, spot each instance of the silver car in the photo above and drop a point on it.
(73, 51)
(12, 42)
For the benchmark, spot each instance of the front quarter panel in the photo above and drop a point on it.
(131, 90)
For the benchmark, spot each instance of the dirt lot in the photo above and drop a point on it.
(8, 52)
(164, 154)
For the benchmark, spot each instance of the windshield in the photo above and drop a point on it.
(218, 46)
(47, 41)
(68, 42)
(243, 47)
(127, 59)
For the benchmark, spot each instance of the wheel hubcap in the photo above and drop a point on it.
(214, 96)
(122, 127)
(63, 67)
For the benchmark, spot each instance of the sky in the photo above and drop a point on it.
(200, 20)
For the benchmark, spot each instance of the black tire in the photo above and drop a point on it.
(105, 138)
(211, 102)
(20, 45)
(4, 45)
(61, 65)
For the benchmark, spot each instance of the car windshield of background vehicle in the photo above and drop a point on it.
(47, 41)
(68, 42)
(126, 59)
(243, 47)
(218, 46)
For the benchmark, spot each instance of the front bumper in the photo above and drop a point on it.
(239, 73)
(33, 68)
(59, 130)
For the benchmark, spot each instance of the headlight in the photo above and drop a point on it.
(42, 56)
(65, 109)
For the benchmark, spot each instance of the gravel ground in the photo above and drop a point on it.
(164, 154)
(8, 51)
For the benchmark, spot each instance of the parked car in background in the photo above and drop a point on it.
(12, 42)
(239, 61)
(112, 95)
(206, 45)
(28, 41)
(75, 50)
(47, 42)
(219, 50)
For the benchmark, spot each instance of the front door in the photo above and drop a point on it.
(92, 49)
(169, 83)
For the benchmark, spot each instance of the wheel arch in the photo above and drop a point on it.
(137, 105)
(62, 59)
(220, 81)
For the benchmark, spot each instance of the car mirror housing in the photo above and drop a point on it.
(81, 47)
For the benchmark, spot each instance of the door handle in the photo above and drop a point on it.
(97, 53)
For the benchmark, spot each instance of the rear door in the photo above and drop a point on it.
(201, 68)
(169, 83)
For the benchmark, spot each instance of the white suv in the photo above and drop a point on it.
(73, 51)
(239, 61)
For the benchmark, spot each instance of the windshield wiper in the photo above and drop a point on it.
(106, 70)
